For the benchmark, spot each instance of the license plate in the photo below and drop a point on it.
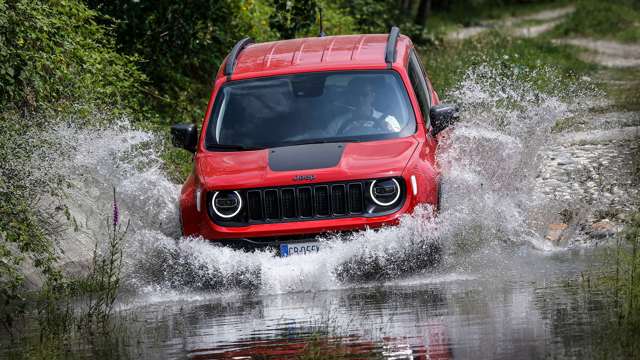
(299, 249)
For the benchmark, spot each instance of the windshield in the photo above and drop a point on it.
(309, 108)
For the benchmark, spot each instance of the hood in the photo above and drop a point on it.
(300, 164)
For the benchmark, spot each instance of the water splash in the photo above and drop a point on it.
(489, 160)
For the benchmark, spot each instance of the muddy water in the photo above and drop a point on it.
(515, 303)
(504, 312)
(501, 289)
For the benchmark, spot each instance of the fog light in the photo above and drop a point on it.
(385, 192)
(226, 204)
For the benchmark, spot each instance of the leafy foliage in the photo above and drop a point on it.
(28, 226)
(54, 56)
(371, 16)
(181, 44)
(54, 59)
(292, 17)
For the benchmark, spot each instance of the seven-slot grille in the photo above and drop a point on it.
(305, 202)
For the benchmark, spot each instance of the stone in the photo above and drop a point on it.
(602, 229)
(555, 232)
(622, 216)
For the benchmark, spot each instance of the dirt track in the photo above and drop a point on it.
(606, 53)
(517, 25)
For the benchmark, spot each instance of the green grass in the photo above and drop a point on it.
(178, 163)
(473, 12)
(460, 15)
(448, 63)
(612, 19)
(624, 93)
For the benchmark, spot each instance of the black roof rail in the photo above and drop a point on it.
(390, 52)
(233, 55)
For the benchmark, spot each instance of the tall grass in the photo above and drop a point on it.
(627, 274)
(67, 310)
(623, 286)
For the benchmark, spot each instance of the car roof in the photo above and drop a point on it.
(316, 54)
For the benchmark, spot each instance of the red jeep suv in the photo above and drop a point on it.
(308, 136)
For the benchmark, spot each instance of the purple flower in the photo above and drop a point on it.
(116, 213)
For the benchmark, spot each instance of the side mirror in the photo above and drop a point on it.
(184, 136)
(442, 116)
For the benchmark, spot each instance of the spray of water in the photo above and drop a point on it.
(489, 162)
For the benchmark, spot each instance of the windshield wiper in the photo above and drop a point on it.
(320, 141)
(233, 147)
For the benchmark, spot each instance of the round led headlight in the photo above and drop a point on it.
(385, 192)
(226, 204)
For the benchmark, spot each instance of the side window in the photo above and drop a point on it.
(424, 76)
(419, 85)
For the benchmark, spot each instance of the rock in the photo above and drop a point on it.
(555, 232)
(565, 161)
(622, 216)
(602, 229)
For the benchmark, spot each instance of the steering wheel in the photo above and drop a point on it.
(349, 124)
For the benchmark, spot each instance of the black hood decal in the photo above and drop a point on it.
(305, 157)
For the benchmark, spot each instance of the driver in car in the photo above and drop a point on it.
(364, 119)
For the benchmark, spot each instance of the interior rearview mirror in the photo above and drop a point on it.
(184, 136)
(442, 116)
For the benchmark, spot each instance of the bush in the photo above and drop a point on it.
(53, 56)
(182, 45)
(27, 227)
(54, 60)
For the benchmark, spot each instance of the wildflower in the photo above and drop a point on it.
(116, 213)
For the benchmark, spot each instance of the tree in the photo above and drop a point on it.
(291, 17)
(424, 9)
(182, 44)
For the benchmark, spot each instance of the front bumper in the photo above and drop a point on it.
(270, 243)
(274, 234)
(276, 231)
(199, 223)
